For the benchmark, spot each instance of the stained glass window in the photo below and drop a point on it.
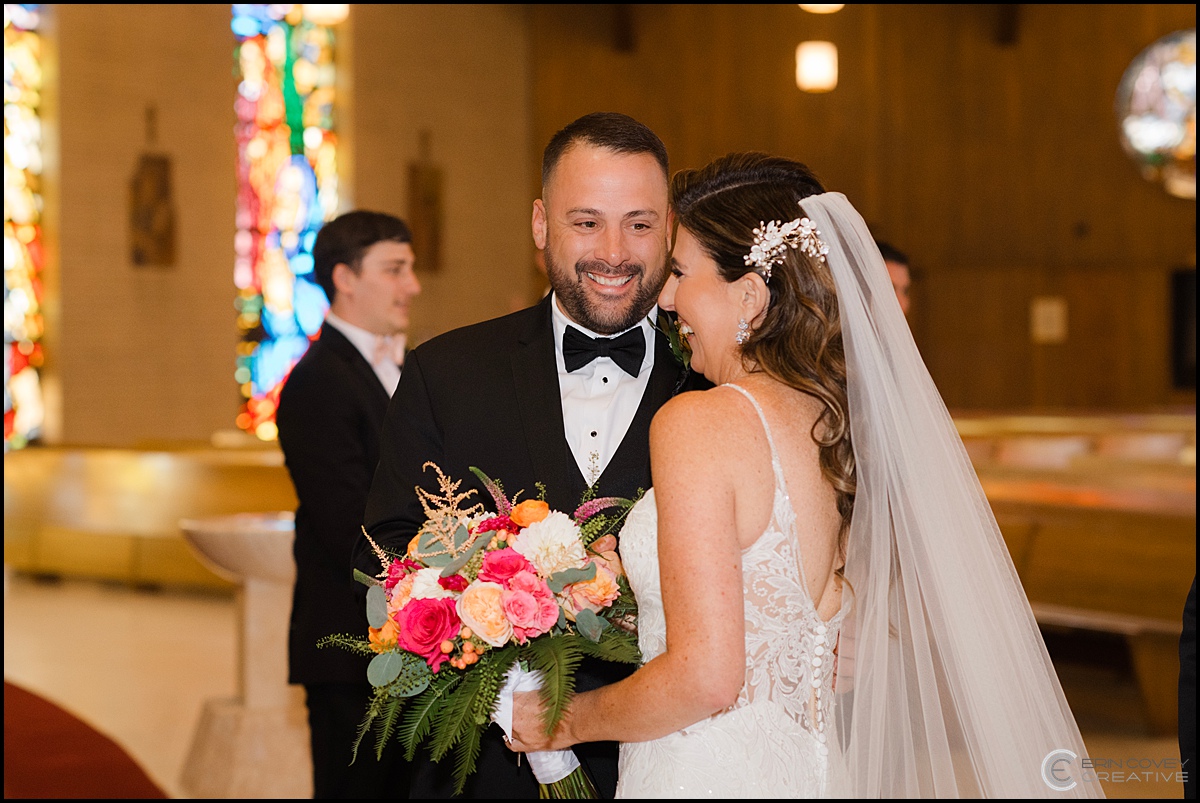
(23, 258)
(287, 188)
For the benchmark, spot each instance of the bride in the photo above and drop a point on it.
(826, 606)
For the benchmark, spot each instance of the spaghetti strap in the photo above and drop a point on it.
(775, 464)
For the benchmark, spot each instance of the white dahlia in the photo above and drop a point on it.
(552, 544)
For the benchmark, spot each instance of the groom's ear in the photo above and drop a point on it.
(539, 224)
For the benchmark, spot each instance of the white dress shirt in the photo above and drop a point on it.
(599, 400)
(369, 344)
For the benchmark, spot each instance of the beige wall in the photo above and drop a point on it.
(460, 72)
(141, 355)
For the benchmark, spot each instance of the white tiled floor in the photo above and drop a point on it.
(138, 665)
(135, 665)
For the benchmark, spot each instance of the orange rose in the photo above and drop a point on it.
(400, 595)
(593, 595)
(480, 609)
(528, 512)
(612, 561)
(383, 638)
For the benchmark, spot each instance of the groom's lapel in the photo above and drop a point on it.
(630, 466)
(535, 376)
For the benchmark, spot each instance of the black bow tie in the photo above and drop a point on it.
(627, 351)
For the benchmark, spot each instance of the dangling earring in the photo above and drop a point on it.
(743, 332)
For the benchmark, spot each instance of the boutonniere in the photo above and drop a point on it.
(668, 324)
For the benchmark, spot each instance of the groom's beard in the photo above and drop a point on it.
(602, 316)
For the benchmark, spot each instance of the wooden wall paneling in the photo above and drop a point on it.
(995, 166)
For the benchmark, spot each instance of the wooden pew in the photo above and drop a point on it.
(1113, 551)
(114, 514)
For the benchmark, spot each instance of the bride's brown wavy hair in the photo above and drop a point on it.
(799, 339)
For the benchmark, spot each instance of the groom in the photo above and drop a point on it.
(561, 393)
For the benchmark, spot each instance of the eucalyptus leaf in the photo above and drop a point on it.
(460, 536)
(560, 580)
(453, 566)
(590, 625)
(384, 668)
(414, 678)
(365, 579)
(427, 544)
(376, 606)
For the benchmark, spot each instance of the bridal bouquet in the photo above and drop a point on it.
(485, 603)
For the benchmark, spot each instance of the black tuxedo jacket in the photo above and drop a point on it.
(331, 411)
(487, 396)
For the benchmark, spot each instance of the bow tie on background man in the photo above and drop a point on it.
(390, 348)
(627, 351)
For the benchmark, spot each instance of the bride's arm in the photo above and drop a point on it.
(703, 668)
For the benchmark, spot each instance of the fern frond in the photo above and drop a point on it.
(615, 645)
(457, 716)
(466, 753)
(385, 726)
(556, 658)
(424, 710)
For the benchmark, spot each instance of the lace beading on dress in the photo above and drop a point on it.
(772, 741)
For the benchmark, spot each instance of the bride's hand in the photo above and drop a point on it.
(529, 726)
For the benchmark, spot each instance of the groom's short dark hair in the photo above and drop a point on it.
(346, 238)
(616, 132)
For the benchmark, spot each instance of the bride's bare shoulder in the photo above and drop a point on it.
(708, 417)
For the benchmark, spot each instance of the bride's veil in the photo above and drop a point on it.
(944, 686)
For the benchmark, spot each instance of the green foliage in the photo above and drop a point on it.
(455, 717)
(355, 644)
(560, 580)
(385, 725)
(602, 524)
(557, 658)
(381, 705)
(466, 753)
(376, 606)
(669, 326)
(590, 625)
(365, 579)
(481, 540)
(404, 674)
(615, 645)
(424, 709)
(541, 486)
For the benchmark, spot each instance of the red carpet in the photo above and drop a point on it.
(49, 753)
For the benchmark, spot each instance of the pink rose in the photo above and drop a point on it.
(455, 582)
(424, 624)
(530, 606)
(399, 570)
(501, 564)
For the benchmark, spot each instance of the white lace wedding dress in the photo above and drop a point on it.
(772, 742)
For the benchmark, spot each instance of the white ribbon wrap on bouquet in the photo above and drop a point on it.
(548, 765)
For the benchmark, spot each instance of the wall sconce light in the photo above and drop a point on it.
(326, 13)
(822, 8)
(816, 66)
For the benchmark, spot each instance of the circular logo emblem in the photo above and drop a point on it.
(1057, 770)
